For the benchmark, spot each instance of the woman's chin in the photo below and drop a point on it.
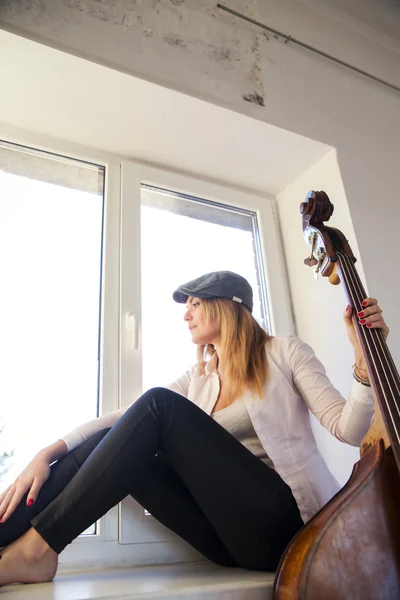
(198, 340)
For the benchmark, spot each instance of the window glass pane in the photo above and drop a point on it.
(183, 238)
(51, 212)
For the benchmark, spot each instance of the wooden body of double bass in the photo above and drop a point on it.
(350, 550)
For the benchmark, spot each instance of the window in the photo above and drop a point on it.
(91, 255)
(184, 237)
(175, 228)
(51, 211)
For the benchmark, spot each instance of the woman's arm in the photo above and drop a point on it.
(37, 471)
(32, 478)
(53, 452)
(81, 433)
(347, 421)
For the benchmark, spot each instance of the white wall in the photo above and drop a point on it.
(318, 306)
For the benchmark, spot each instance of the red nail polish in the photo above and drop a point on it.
(364, 303)
(1, 520)
(30, 502)
(368, 324)
(347, 307)
(362, 321)
(360, 314)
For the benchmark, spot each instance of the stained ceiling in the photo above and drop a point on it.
(378, 19)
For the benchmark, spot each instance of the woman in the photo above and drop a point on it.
(224, 456)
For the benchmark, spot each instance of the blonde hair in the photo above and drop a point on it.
(242, 345)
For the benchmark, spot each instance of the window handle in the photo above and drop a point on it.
(132, 326)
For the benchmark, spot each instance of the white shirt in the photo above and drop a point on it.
(296, 382)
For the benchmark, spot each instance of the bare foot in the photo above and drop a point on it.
(28, 560)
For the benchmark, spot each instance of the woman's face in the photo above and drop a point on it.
(202, 331)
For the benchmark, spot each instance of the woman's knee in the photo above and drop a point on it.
(81, 452)
(158, 401)
(160, 394)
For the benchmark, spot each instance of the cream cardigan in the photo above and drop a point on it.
(297, 383)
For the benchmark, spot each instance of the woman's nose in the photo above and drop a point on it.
(187, 316)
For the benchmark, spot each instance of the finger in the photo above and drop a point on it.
(375, 319)
(4, 494)
(369, 302)
(371, 319)
(375, 322)
(15, 500)
(348, 311)
(372, 310)
(5, 499)
(384, 328)
(34, 492)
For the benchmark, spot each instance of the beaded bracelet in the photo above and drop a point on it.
(362, 382)
(366, 383)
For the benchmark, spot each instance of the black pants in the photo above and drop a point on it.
(188, 471)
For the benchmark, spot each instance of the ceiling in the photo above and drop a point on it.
(378, 19)
(56, 94)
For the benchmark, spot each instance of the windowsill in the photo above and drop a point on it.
(190, 580)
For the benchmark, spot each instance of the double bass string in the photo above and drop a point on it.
(356, 292)
(376, 336)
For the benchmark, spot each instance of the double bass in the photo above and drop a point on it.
(350, 550)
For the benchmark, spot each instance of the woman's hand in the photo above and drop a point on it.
(369, 315)
(30, 480)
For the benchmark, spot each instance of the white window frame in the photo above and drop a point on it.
(132, 515)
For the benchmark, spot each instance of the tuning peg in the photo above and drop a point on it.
(310, 261)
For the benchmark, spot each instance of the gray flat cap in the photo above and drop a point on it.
(219, 284)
